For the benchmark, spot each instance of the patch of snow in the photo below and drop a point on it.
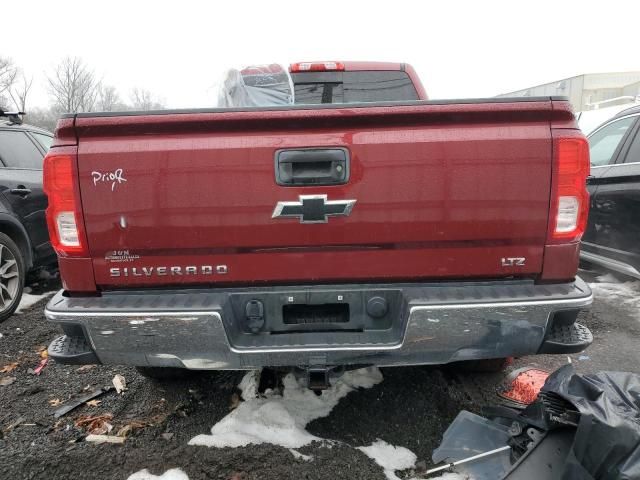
(390, 458)
(29, 299)
(625, 294)
(607, 278)
(173, 474)
(281, 418)
(301, 456)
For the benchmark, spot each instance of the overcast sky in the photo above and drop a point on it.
(179, 49)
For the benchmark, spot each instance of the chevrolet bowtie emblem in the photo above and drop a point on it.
(313, 208)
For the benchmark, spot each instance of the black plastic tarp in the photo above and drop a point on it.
(607, 440)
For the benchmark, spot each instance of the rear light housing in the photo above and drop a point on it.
(64, 213)
(569, 195)
(316, 67)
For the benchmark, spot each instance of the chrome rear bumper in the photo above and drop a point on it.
(432, 324)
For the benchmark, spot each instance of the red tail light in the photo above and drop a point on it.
(64, 215)
(570, 198)
(316, 67)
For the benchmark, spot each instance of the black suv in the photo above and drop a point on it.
(612, 238)
(24, 240)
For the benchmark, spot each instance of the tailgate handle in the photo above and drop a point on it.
(312, 166)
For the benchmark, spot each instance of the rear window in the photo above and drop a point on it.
(353, 87)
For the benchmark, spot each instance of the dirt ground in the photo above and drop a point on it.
(411, 408)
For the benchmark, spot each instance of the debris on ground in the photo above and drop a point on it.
(130, 427)
(556, 430)
(473, 458)
(13, 424)
(521, 387)
(98, 439)
(8, 368)
(85, 368)
(603, 406)
(473, 436)
(80, 401)
(54, 402)
(119, 383)
(6, 381)
(32, 390)
(95, 425)
(38, 370)
(167, 436)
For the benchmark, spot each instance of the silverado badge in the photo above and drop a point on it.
(313, 208)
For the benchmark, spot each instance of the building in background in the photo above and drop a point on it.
(608, 93)
(590, 91)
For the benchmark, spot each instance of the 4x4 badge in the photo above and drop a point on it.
(313, 208)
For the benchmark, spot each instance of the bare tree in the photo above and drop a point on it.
(109, 100)
(142, 99)
(8, 73)
(20, 91)
(43, 117)
(73, 86)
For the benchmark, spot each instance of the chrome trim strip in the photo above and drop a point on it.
(340, 348)
(615, 165)
(578, 301)
(53, 315)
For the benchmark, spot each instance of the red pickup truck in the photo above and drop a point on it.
(366, 226)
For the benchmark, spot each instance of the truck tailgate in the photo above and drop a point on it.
(440, 190)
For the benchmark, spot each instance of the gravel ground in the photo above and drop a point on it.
(411, 408)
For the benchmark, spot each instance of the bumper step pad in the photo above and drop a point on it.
(72, 351)
(572, 338)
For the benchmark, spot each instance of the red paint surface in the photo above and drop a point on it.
(560, 262)
(443, 191)
(64, 134)
(77, 274)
